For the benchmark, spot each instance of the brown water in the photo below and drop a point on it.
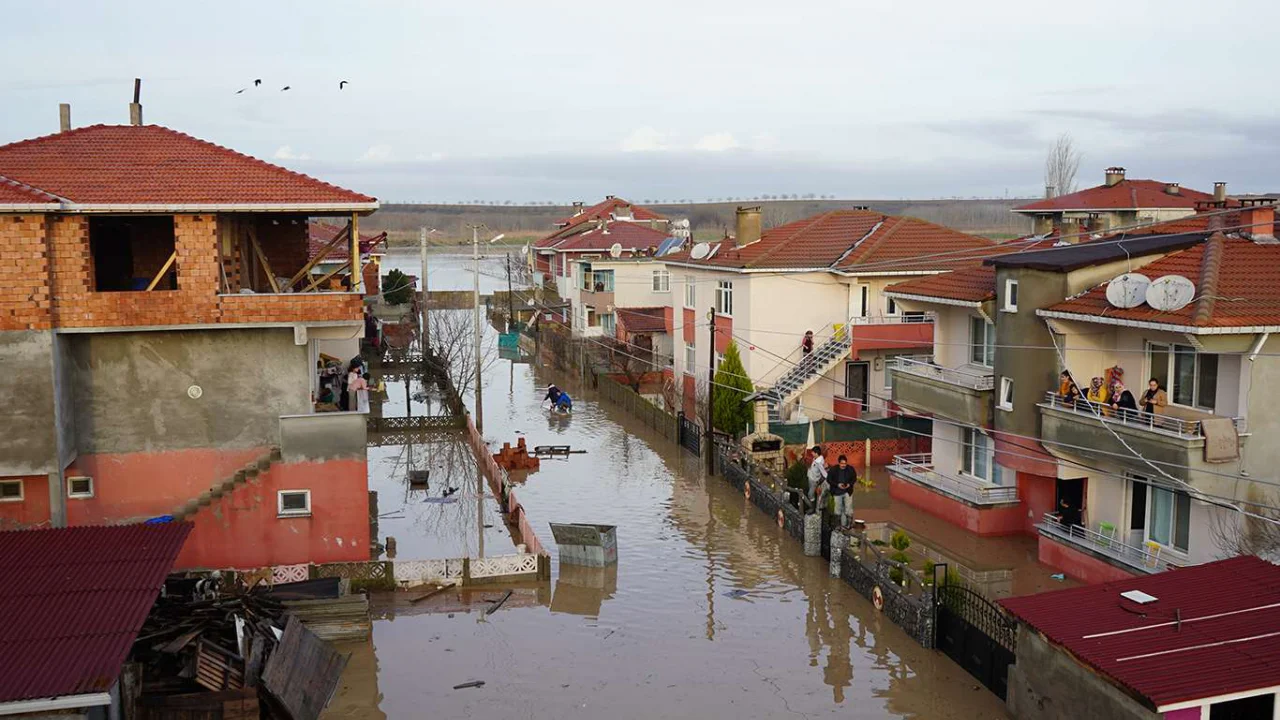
(710, 612)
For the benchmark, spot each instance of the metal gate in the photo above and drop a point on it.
(690, 435)
(974, 632)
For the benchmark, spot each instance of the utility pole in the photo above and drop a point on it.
(475, 296)
(425, 332)
(511, 310)
(711, 391)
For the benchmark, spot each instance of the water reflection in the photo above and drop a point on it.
(581, 590)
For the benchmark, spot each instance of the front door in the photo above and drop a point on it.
(1069, 504)
(856, 379)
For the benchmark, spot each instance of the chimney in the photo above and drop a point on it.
(748, 230)
(577, 208)
(609, 197)
(135, 107)
(1258, 222)
(1043, 225)
(1069, 230)
(1173, 188)
(1099, 223)
(1049, 191)
(1219, 192)
(64, 117)
(1114, 176)
(761, 416)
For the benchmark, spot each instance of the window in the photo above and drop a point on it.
(864, 301)
(79, 487)
(294, 503)
(978, 459)
(131, 253)
(608, 321)
(724, 297)
(601, 281)
(719, 359)
(690, 358)
(982, 342)
(690, 291)
(890, 307)
(1189, 377)
(1006, 393)
(1010, 296)
(577, 275)
(661, 281)
(10, 491)
(1170, 520)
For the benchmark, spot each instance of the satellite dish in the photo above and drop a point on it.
(714, 249)
(1128, 290)
(525, 250)
(700, 251)
(615, 250)
(1171, 292)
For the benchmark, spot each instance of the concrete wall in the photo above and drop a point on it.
(131, 389)
(322, 436)
(1048, 684)
(27, 431)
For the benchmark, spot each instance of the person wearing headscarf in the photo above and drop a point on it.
(1097, 394)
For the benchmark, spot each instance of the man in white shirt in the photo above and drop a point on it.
(817, 475)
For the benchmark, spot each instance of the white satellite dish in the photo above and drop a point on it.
(714, 249)
(1128, 290)
(1171, 292)
(615, 250)
(525, 250)
(700, 251)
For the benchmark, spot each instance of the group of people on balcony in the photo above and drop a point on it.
(1113, 398)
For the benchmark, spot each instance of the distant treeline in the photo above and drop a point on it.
(989, 217)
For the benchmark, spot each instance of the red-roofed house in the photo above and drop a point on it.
(823, 274)
(550, 256)
(161, 333)
(74, 600)
(1117, 203)
(1200, 643)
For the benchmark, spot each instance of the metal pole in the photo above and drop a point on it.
(511, 311)
(475, 267)
(422, 305)
(711, 390)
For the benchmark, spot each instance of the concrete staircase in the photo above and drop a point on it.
(809, 370)
(242, 476)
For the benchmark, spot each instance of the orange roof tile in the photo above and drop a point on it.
(1124, 195)
(13, 192)
(153, 165)
(970, 284)
(643, 319)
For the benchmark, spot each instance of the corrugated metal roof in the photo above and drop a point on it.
(73, 599)
(1213, 630)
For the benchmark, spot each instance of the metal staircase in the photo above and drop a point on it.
(808, 370)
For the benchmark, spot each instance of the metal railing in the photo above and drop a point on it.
(1134, 557)
(919, 468)
(1153, 422)
(923, 366)
(913, 319)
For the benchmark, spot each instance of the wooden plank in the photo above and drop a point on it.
(356, 277)
(303, 672)
(319, 256)
(262, 258)
(167, 264)
(317, 281)
(431, 593)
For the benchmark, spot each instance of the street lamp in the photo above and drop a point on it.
(475, 296)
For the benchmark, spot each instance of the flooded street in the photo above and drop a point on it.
(711, 610)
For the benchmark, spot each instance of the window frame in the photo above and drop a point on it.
(690, 357)
(724, 298)
(79, 495)
(1009, 301)
(1181, 501)
(22, 490)
(1006, 391)
(661, 280)
(609, 321)
(690, 291)
(971, 448)
(891, 308)
(1172, 352)
(987, 347)
(281, 512)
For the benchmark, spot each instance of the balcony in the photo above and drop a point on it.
(1105, 547)
(882, 332)
(918, 468)
(1177, 443)
(600, 300)
(962, 394)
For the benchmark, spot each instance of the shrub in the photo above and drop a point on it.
(730, 412)
(798, 476)
(899, 541)
(396, 288)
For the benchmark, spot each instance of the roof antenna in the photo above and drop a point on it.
(135, 107)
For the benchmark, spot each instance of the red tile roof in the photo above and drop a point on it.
(975, 283)
(643, 319)
(153, 165)
(851, 240)
(1124, 195)
(1237, 286)
(631, 235)
(600, 211)
(73, 600)
(13, 192)
(1228, 639)
(320, 234)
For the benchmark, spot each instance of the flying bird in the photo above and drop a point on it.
(286, 87)
(241, 90)
(342, 84)
(256, 83)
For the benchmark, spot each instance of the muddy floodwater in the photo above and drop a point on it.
(710, 612)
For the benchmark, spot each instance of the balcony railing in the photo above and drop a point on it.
(1139, 559)
(927, 318)
(923, 366)
(918, 467)
(1186, 429)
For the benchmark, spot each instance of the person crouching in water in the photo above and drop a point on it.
(553, 395)
(564, 403)
(840, 481)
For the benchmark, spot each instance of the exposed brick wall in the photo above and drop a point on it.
(298, 307)
(284, 244)
(24, 273)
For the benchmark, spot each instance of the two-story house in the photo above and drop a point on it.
(162, 328)
(1118, 203)
(549, 257)
(824, 274)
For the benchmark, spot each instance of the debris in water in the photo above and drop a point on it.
(498, 604)
(430, 593)
(469, 684)
(738, 593)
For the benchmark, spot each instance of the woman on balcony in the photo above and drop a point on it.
(1154, 400)
(1068, 390)
(1122, 402)
(1097, 395)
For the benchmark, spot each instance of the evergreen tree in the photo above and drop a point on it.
(730, 414)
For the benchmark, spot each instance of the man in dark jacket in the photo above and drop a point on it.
(841, 479)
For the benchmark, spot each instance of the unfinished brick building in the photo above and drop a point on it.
(161, 323)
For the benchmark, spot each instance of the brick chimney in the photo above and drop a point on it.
(1069, 230)
(1258, 222)
(64, 117)
(1173, 188)
(135, 107)
(1115, 175)
(578, 207)
(748, 225)
(1219, 192)
(1042, 225)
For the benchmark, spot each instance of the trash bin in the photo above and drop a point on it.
(584, 544)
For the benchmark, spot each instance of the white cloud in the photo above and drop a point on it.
(645, 139)
(716, 142)
(377, 153)
(285, 152)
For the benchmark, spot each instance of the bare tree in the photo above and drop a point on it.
(1257, 533)
(1061, 165)
(629, 361)
(453, 342)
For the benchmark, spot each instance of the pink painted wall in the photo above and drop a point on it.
(724, 332)
(892, 335)
(1000, 520)
(1078, 564)
(846, 409)
(1037, 495)
(34, 508)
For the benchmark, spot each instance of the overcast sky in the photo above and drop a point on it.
(572, 100)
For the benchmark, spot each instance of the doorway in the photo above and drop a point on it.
(1137, 511)
(856, 379)
(1069, 501)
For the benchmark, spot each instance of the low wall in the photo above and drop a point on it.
(1079, 564)
(502, 488)
(322, 436)
(1005, 519)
